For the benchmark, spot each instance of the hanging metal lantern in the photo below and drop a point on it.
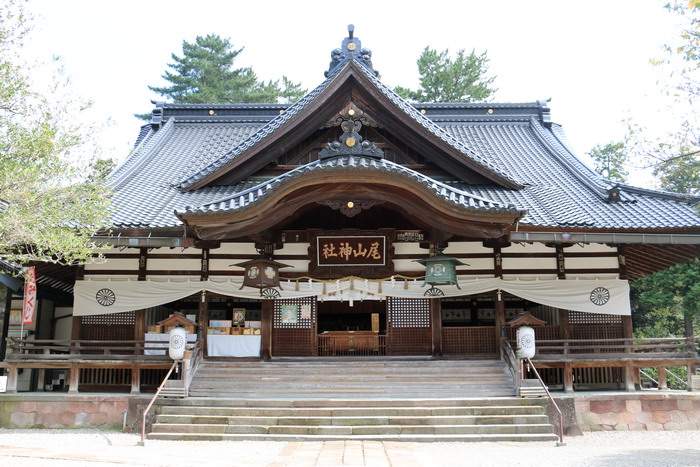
(441, 269)
(261, 273)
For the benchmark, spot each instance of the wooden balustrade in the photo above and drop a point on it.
(92, 362)
(359, 343)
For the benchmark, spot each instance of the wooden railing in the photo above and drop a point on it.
(651, 348)
(514, 364)
(355, 344)
(45, 349)
(94, 362)
(551, 400)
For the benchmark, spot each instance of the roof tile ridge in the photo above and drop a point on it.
(147, 148)
(440, 189)
(436, 129)
(261, 133)
(692, 199)
(572, 163)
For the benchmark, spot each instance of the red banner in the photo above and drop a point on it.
(29, 305)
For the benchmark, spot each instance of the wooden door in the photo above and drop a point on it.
(294, 336)
(408, 326)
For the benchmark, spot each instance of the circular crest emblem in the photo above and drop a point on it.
(600, 296)
(527, 341)
(269, 293)
(176, 341)
(434, 292)
(105, 297)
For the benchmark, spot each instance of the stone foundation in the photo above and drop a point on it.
(30, 410)
(638, 412)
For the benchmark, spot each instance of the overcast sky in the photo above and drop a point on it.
(591, 58)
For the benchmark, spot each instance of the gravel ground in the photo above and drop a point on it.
(106, 448)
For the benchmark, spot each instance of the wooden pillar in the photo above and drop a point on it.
(203, 320)
(663, 379)
(74, 379)
(564, 327)
(633, 378)
(12, 377)
(630, 380)
(436, 326)
(500, 320)
(568, 377)
(268, 310)
(139, 328)
(135, 380)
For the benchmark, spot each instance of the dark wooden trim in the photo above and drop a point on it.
(561, 262)
(203, 319)
(499, 319)
(622, 262)
(436, 326)
(143, 264)
(266, 331)
(205, 264)
(497, 262)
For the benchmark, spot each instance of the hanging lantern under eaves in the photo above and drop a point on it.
(441, 269)
(261, 273)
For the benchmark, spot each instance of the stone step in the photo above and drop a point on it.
(286, 402)
(352, 430)
(418, 438)
(351, 411)
(352, 421)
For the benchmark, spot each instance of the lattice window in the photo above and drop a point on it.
(577, 317)
(408, 326)
(409, 312)
(304, 308)
(128, 317)
(294, 327)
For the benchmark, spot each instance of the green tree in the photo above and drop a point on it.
(205, 74)
(50, 211)
(675, 158)
(610, 160)
(443, 79)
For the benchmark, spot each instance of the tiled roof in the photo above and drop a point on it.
(517, 141)
(458, 196)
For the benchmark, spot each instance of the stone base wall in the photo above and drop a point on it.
(638, 412)
(30, 410)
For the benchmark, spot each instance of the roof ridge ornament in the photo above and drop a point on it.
(350, 142)
(351, 49)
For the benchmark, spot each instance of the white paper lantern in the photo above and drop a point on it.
(525, 342)
(177, 343)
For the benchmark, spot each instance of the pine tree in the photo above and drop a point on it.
(205, 74)
(442, 79)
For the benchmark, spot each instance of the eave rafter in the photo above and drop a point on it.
(412, 198)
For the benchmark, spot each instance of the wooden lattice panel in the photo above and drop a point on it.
(294, 339)
(408, 326)
(469, 340)
(112, 327)
(577, 317)
(599, 378)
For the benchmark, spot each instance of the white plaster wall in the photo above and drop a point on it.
(235, 249)
(174, 264)
(63, 326)
(529, 263)
(114, 263)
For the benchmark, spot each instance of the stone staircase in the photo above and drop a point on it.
(353, 379)
(406, 400)
(418, 420)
